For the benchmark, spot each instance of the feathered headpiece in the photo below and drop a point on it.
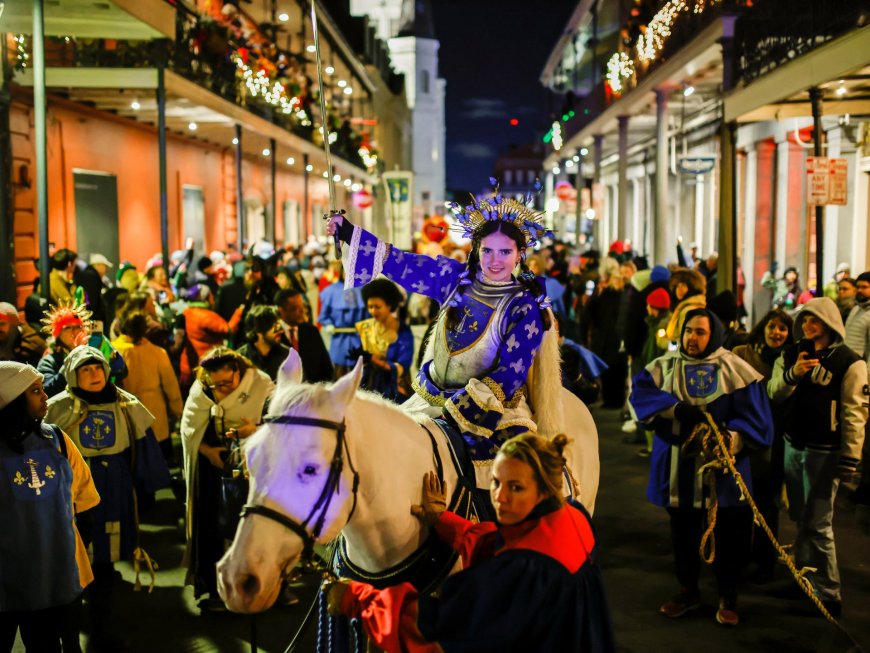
(67, 312)
(507, 209)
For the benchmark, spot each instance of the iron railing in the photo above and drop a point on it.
(203, 53)
(775, 32)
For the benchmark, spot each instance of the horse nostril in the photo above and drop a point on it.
(250, 586)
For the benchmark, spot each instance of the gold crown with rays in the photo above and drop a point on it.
(66, 312)
(530, 222)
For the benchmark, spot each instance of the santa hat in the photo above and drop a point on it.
(15, 378)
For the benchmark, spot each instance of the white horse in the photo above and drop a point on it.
(336, 460)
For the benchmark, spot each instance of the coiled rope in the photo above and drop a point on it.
(715, 451)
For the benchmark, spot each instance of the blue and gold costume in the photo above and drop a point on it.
(477, 371)
(342, 308)
(725, 386)
(113, 433)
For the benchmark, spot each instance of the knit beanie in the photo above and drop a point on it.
(659, 299)
(15, 378)
(659, 274)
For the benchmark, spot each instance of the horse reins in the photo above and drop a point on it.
(330, 487)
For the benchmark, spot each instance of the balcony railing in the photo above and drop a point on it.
(776, 31)
(206, 53)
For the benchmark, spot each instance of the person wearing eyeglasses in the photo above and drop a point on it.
(226, 402)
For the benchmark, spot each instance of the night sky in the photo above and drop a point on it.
(492, 54)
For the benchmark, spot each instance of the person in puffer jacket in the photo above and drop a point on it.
(824, 385)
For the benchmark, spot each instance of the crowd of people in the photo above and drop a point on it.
(102, 382)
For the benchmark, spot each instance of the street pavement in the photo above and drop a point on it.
(635, 556)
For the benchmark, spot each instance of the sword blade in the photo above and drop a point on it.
(324, 127)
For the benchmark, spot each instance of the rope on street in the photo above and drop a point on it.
(715, 450)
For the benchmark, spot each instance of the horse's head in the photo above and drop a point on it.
(302, 486)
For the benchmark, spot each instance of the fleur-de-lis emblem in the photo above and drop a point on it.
(19, 479)
(49, 472)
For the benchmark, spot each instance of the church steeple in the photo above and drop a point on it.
(416, 19)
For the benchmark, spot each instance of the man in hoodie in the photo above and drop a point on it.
(857, 336)
(672, 396)
(824, 384)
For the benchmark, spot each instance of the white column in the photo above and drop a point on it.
(832, 216)
(747, 260)
(622, 167)
(636, 220)
(664, 232)
(699, 208)
(782, 201)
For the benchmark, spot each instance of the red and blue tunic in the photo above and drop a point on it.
(534, 586)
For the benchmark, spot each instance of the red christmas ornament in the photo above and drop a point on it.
(363, 199)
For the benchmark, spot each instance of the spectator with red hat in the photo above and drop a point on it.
(658, 314)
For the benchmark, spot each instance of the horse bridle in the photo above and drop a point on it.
(330, 488)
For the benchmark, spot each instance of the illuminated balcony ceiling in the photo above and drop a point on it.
(79, 18)
(115, 90)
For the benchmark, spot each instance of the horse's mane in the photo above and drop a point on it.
(297, 397)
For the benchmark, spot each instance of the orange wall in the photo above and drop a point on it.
(83, 138)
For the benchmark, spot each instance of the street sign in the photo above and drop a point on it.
(839, 189)
(817, 180)
(697, 165)
(827, 180)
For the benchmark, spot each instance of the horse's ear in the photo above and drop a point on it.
(290, 372)
(344, 389)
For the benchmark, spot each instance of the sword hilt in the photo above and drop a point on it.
(336, 239)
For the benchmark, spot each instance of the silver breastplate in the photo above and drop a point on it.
(470, 349)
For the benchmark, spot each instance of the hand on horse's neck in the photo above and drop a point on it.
(392, 453)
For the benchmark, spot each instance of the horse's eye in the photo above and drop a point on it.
(307, 472)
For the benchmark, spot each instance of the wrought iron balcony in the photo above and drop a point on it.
(776, 31)
(206, 53)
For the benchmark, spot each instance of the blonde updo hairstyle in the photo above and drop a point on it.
(545, 456)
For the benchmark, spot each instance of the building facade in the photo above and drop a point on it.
(238, 94)
(693, 120)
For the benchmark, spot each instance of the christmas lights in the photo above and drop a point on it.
(651, 42)
(619, 67)
(21, 55)
(557, 136)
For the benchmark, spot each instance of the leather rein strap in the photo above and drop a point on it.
(330, 487)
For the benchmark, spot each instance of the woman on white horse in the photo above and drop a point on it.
(530, 582)
(481, 356)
